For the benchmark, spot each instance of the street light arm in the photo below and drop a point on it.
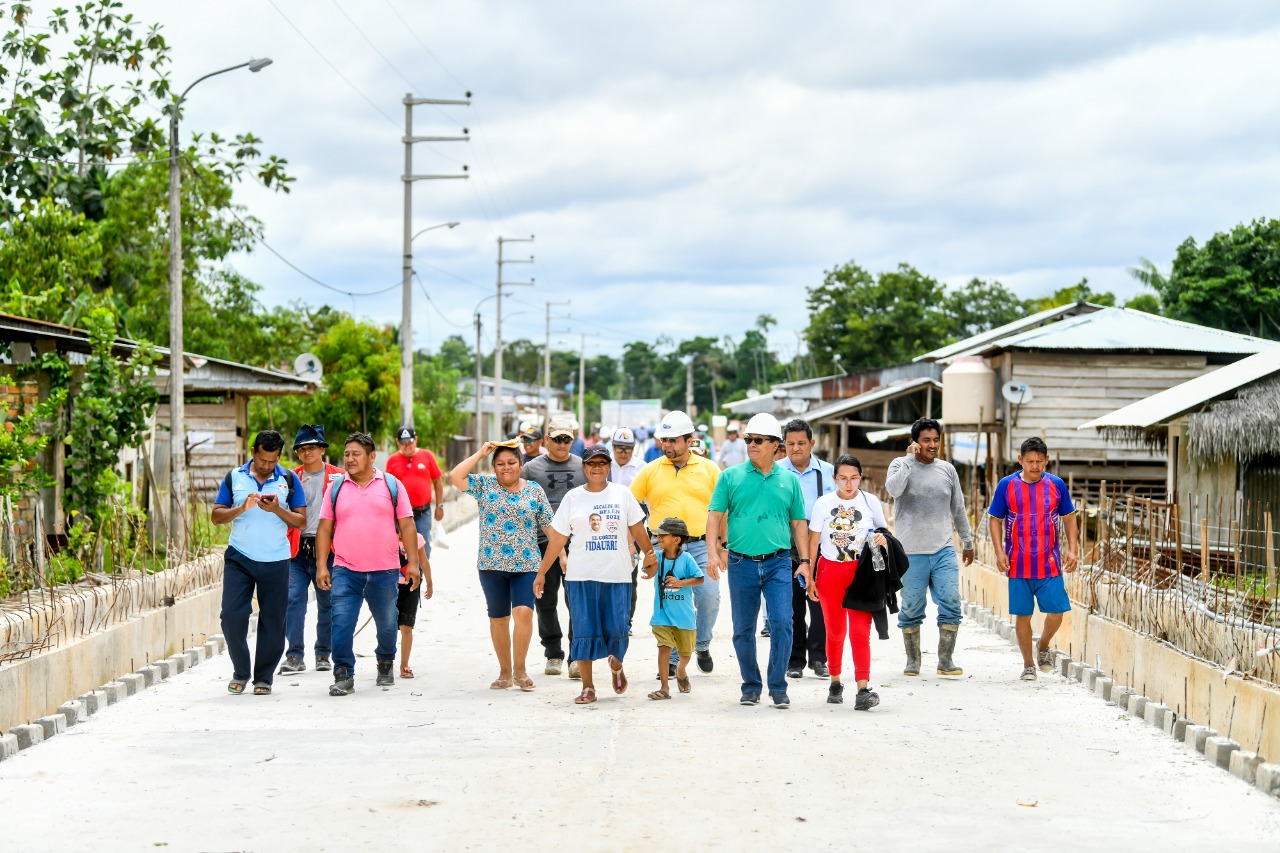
(434, 227)
(253, 64)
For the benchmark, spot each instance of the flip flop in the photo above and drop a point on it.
(406, 672)
(500, 684)
(237, 685)
(659, 694)
(619, 677)
(684, 685)
(586, 697)
(525, 684)
(261, 688)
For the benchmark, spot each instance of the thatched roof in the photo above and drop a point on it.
(1245, 427)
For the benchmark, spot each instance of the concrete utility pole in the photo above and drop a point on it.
(546, 372)
(497, 334)
(582, 387)
(688, 388)
(406, 292)
(177, 353)
(479, 373)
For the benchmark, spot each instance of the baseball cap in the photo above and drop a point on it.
(595, 450)
(531, 432)
(624, 438)
(560, 426)
(406, 433)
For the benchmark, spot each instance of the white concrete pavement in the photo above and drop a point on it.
(441, 762)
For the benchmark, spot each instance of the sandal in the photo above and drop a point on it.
(586, 697)
(237, 685)
(684, 685)
(525, 683)
(619, 677)
(261, 688)
(659, 694)
(501, 684)
(406, 672)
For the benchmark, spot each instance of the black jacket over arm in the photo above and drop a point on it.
(875, 592)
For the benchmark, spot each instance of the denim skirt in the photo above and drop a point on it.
(601, 613)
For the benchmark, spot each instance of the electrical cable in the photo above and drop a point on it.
(423, 287)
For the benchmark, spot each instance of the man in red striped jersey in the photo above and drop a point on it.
(1026, 511)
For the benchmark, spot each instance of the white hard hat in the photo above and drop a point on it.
(764, 424)
(673, 425)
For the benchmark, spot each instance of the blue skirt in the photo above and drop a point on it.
(600, 613)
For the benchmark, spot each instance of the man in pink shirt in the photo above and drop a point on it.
(366, 518)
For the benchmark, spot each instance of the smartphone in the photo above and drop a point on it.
(267, 498)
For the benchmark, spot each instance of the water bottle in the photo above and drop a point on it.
(877, 559)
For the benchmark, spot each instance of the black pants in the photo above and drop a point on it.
(548, 614)
(813, 640)
(240, 575)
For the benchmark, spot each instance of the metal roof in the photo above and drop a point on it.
(876, 395)
(1111, 329)
(974, 344)
(1173, 402)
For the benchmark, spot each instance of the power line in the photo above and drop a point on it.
(427, 296)
(418, 38)
(320, 53)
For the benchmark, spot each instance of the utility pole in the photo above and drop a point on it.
(582, 387)
(479, 370)
(497, 354)
(688, 388)
(546, 372)
(406, 292)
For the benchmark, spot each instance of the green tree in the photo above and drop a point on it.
(1079, 292)
(437, 405)
(1145, 302)
(1232, 282)
(981, 305)
(49, 261)
(456, 354)
(361, 384)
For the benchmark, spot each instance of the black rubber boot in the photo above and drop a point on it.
(835, 693)
(385, 678)
(911, 639)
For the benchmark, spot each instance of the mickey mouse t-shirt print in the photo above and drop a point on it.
(845, 524)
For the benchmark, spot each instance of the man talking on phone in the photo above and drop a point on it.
(260, 500)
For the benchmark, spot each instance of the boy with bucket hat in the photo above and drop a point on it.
(674, 622)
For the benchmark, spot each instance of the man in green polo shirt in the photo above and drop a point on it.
(763, 506)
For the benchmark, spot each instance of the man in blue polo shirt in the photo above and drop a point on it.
(261, 501)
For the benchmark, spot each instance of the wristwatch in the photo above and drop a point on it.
(805, 560)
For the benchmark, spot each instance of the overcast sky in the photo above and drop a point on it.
(688, 166)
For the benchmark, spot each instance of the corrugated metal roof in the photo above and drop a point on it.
(975, 343)
(1190, 395)
(877, 395)
(1113, 329)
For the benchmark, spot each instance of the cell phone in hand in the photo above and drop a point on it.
(267, 498)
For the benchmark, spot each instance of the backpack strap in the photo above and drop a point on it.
(393, 486)
(334, 487)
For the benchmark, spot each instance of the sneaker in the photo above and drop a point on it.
(866, 699)
(323, 664)
(554, 666)
(795, 672)
(780, 701)
(344, 683)
(293, 664)
(705, 663)
(820, 669)
(385, 678)
(574, 672)
(835, 693)
(1029, 674)
(1044, 658)
(749, 699)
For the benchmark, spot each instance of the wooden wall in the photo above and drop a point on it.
(217, 435)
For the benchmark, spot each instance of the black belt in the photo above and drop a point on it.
(702, 538)
(762, 557)
(422, 509)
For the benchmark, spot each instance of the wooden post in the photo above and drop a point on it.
(1177, 535)
(1103, 540)
(1204, 549)
(1271, 560)
(1128, 535)
(1083, 526)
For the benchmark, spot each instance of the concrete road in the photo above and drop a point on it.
(441, 762)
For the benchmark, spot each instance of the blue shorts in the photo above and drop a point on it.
(1050, 594)
(505, 590)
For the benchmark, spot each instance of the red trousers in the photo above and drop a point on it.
(832, 580)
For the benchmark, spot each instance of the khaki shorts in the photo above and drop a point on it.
(681, 639)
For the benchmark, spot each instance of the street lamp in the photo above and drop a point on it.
(434, 227)
(177, 408)
(406, 326)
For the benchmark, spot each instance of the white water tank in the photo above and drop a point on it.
(969, 392)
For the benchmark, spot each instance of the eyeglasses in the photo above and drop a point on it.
(758, 439)
(850, 479)
(562, 439)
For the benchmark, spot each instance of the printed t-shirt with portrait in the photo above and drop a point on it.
(597, 523)
(845, 524)
(509, 524)
(674, 607)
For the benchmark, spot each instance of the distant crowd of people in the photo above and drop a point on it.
(786, 530)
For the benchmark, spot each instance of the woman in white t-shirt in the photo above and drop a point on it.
(839, 526)
(594, 519)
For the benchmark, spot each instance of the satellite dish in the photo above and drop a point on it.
(308, 367)
(1017, 393)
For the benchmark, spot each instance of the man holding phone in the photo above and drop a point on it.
(261, 501)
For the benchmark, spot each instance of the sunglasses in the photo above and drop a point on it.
(562, 439)
(756, 439)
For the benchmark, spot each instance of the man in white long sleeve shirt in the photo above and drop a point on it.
(928, 502)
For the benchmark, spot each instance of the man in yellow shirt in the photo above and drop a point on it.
(679, 484)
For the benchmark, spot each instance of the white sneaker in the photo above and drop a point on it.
(573, 670)
(1029, 674)
(554, 666)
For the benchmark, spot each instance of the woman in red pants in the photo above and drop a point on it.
(839, 526)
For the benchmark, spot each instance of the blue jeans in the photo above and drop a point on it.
(706, 601)
(241, 578)
(747, 580)
(422, 521)
(302, 576)
(939, 573)
(350, 590)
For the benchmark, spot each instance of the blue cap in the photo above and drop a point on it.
(309, 434)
